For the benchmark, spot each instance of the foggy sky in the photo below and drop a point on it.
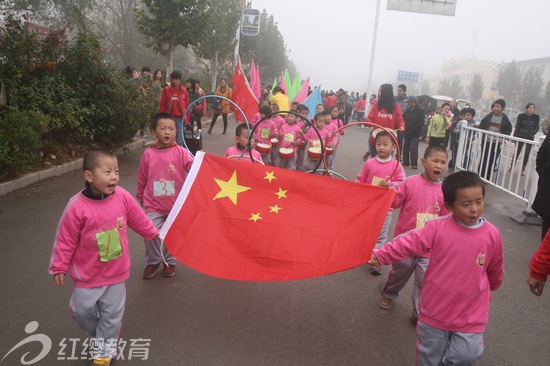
(330, 40)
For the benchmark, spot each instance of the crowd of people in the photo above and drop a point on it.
(456, 255)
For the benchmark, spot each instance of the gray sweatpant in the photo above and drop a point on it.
(99, 311)
(383, 237)
(442, 347)
(155, 249)
(399, 276)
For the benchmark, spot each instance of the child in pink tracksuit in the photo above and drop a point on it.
(279, 122)
(334, 124)
(312, 139)
(383, 171)
(161, 174)
(241, 138)
(466, 264)
(264, 132)
(92, 241)
(290, 136)
(420, 199)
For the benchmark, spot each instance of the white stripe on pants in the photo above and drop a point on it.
(442, 347)
(99, 311)
(383, 237)
(399, 276)
(155, 249)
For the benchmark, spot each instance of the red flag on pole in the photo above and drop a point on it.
(243, 95)
(260, 223)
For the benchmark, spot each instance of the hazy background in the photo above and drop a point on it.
(331, 41)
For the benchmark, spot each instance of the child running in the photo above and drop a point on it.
(466, 265)
(383, 171)
(91, 239)
(241, 138)
(420, 198)
(161, 174)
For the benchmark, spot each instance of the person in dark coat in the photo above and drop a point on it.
(541, 204)
(527, 126)
(414, 122)
(498, 122)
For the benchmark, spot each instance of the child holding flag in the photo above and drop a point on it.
(420, 199)
(161, 174)
(383, 171)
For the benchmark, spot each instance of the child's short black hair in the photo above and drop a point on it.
(157, 117)
(145, 68)
(500, 102)
(326, 111)
(459, 180)
(176, 75)
(385, 133)
(302, 107)
(444, 104)
(265, 110)
(90, 159)
(465, 110)
(434, 148)
(319, 117)
(275, 107)
(295, 103)
(240, 128)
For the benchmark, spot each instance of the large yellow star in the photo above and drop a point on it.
(255, 217)
(270, 176)
(281, 193)
(230, 189)
(275, 209)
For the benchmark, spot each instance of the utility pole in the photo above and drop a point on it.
(371, 66)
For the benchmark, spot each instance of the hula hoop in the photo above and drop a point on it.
(191, 105)
(238, 157)
(370, 124)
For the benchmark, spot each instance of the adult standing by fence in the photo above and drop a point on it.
(221, 106)
(498, 122)
(527, 125)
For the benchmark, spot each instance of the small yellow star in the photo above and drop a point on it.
(275, 209)
(270, 176)
(281, 193)
(230, 189)
(255, 217)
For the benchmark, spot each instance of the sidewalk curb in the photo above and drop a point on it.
(58, 170)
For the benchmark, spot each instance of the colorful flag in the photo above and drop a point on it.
(283, 84)
(313, 101)
(301, 96)
(255, 80)
(253, 222)
(295, 87)
(272, 87)
(243, 95)
(288, 82)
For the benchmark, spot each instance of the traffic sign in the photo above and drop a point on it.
(250, 24)
(408, 76)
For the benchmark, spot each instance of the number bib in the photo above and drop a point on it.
(164, 188)
(109, 245)
(265, 133)
(423, 218)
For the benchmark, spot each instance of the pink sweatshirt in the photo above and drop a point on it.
(265, 131)
(419, 200)
(466, 264)
(312, 138)
(331, 129)
(235, 151)
(376, 169)
(290, 134)
(278, 121)
(161, 175)
(85, 225)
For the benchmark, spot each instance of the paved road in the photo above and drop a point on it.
(194, 319)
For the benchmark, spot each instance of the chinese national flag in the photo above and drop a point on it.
(254, 222)
(243, 95)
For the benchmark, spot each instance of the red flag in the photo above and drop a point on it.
(260, 223)
(243, 95)
(301, 96)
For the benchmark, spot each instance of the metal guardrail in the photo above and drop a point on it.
(493, 156)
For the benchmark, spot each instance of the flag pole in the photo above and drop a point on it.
(371, 66)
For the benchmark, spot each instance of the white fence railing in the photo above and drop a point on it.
(493, 156)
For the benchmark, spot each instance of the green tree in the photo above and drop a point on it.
(167, 24)
(54, 13)
(267, 49)
(547, 94)
(476, 88)
(218, 38)
(509, 81)
(455, 88)
(425, 87)
(531, 85)
(444, 86)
